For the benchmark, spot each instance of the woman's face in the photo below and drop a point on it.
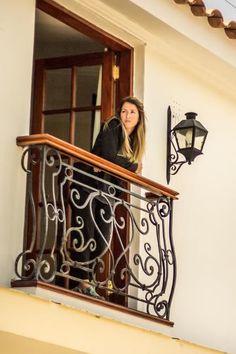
(129, 115)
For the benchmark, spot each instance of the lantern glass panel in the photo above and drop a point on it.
(199, 138)
(184, 138)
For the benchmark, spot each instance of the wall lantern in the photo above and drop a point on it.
(185, 140)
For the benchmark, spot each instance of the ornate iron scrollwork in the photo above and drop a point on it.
(141, 268)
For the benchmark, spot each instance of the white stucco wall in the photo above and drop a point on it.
(16, 39)
(203, 308)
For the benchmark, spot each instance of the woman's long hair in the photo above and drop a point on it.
(134, 153)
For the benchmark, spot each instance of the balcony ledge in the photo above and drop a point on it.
(30, 321)
(91, 305)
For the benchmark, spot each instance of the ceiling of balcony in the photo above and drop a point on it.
(54, 38)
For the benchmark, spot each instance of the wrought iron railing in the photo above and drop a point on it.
(78, 203)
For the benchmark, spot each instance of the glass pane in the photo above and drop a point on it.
(88, 85)
(84, 128)
(184, 138)
(96, 126)
(58, 125)
(57, 89)
(199, 138)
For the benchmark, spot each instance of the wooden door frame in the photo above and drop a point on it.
(80, 24)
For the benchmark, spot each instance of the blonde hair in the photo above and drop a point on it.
(134, 154)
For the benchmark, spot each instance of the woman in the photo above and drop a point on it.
(121, 141)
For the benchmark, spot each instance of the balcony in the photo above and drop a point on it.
(132, 262)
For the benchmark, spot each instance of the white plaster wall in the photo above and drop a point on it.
(16, 40)
(204, 218)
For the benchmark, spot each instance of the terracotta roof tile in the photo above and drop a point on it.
(214, 16)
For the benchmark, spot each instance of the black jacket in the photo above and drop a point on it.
(108, 146)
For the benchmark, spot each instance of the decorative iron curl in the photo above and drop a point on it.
(125, 274)
(120, 224)
(53, 213)
(78, 244)
(174, 164)
(98, 267)
(29, 266)
(144, 223)
(65, 268)
(174, 168)
(143, 230)
(151, 210)
(68, 171)
(173, 156)
(111, 190)
(147, 266)
(51, 158)
(163, 207)
(160, 307)
(33, 160)
(75, 197)
(169, 256)
(45, 268)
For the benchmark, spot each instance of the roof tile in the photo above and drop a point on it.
(214, 16)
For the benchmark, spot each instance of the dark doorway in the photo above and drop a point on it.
(76, 85)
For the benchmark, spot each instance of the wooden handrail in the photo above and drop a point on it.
(72, 150)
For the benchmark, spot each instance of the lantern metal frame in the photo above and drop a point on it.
(177, 156)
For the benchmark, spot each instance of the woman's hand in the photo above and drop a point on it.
(139, 168)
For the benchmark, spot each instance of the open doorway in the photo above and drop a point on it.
(75, 85)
